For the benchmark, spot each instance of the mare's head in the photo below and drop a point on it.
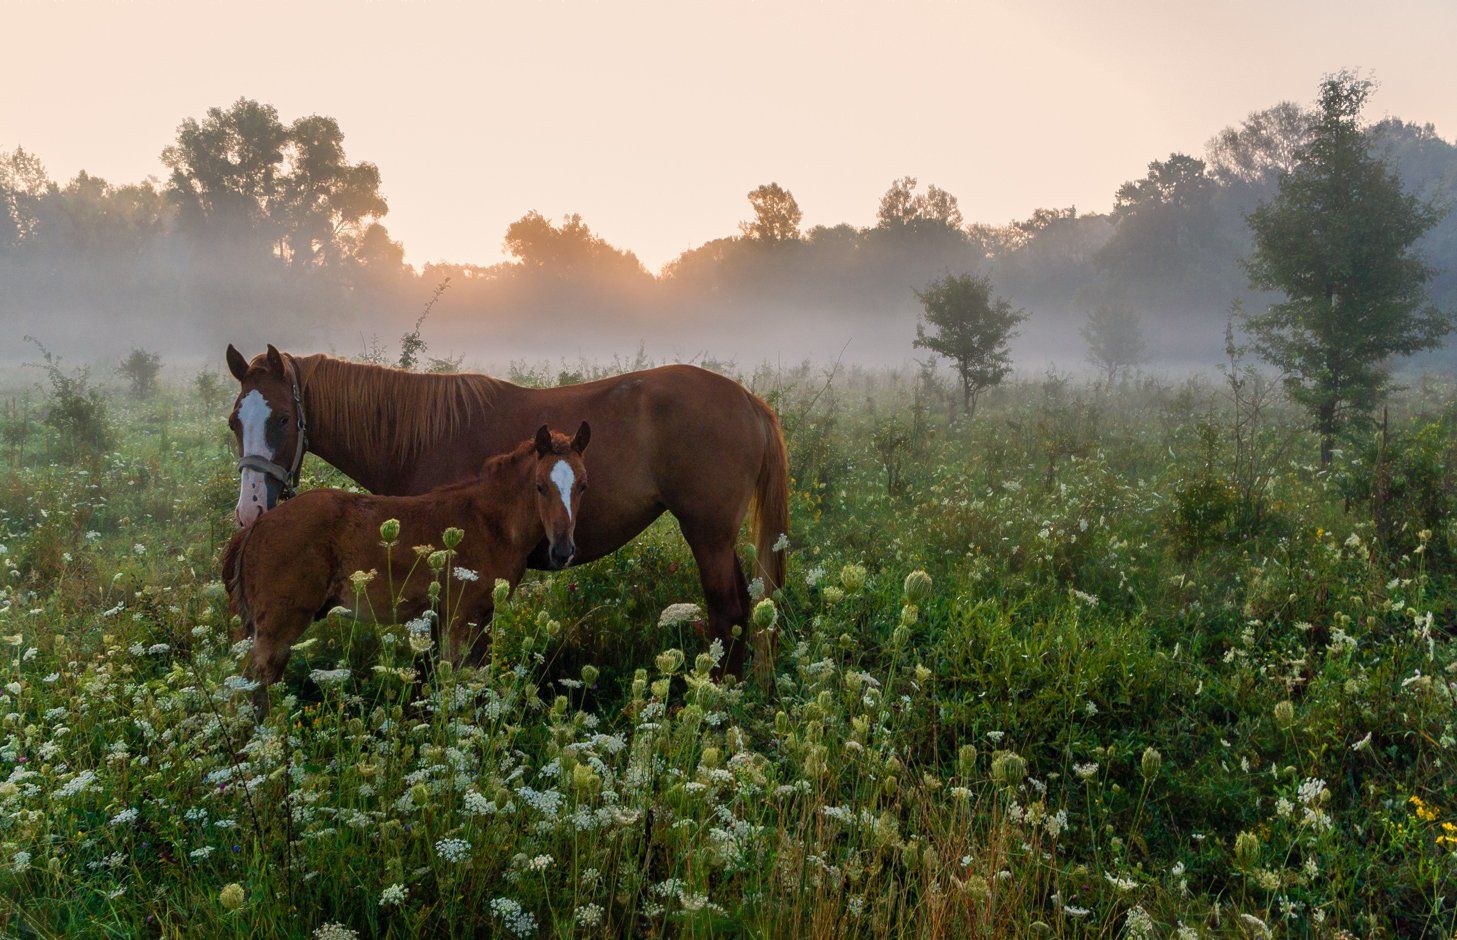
(560, 478)
(266, 420)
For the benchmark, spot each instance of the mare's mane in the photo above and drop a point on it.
(381, 410)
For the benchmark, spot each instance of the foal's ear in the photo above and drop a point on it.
(584, 434)
(543, 441)
(275, 360)
(236, 363)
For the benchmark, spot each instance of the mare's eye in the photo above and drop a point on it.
(540, 488)
(581, 487)
(233, 421)
(280, 420)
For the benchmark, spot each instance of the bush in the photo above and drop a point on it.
(76, 411)
(141, 369)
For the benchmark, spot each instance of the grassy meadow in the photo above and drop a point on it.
(1103, 661)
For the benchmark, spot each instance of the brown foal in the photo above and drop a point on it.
(293, 565)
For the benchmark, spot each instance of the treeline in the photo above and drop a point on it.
(265, 230)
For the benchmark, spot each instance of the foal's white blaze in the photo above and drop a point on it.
(564, 479)
(253, 415)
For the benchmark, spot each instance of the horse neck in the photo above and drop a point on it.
(380, 470)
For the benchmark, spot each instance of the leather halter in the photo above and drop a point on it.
(260, 464)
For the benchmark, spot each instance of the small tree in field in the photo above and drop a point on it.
(141, 369)
(1337, 241)
(1115, 340)
(971, 327)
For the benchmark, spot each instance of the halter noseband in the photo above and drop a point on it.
(258, 464)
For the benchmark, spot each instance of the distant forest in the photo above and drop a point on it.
(263, 230)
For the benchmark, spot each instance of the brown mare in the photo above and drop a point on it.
(677, 438)
(291, 567)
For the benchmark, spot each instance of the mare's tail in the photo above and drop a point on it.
(770, 507)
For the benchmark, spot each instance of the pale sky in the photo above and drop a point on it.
(654, 119)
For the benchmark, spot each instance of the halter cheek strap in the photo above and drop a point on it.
(259, 464)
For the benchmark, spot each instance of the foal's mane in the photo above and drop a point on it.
(381, 410)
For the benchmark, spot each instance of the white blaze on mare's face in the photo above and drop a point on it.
(564, 479)
(253, 415)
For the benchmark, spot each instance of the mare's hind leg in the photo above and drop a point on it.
(274, 634)
(725, 591)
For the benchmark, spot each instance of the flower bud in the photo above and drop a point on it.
(589, 675)
(765, 614)
(389, 530)
(670, 661)
(1008, 768)
(1285, 712)
(500, 592)
(966, 759)
(231, 897)
(852, 578)
(917, 586)
(452, 536)
(437, 560)
(1151, 762)
(1246, 850)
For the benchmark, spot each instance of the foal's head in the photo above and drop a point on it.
(561, 479)
(265, 420)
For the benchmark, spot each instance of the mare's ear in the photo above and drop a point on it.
(236, 363)
(275, 360)
(543, 441)
(584, 435)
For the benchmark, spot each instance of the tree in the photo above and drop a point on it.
(1263, 148)
(1162, 222)
(967, 324)
(776, 215)
(141, 369)
(243, 173)
(902, 206)
(1115, 339)
(225, 168)
(567, 248)
(23, 184)
(1337, 240)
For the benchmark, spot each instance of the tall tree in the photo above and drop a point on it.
(1162, 223)
(23, 185)
(1263, 147)
(322, 194)
(1337, 240)
(903, 206)
(967, 324)
(242, 172)
(225, 169)
(776, 215)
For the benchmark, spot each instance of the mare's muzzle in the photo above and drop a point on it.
(275, 482)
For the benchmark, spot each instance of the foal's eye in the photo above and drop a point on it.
(541, 488)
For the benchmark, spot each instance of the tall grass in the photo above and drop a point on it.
(1059, 679)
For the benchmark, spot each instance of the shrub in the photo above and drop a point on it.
(75, 410)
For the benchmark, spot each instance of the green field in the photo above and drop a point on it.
(1097, 662)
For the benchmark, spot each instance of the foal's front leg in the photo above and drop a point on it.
(274, 634)
(468, 637)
